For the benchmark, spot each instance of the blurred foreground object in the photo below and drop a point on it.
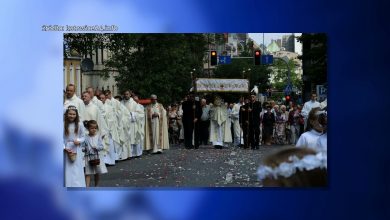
(294, 167)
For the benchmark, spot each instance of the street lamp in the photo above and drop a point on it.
(192, 72)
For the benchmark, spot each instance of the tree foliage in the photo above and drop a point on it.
(83, 44)
(156, 63)
(314, 58)
(280, 71)
(248, 49)
(243, 69)
(161, 64)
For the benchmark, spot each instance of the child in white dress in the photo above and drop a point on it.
(93, 144)
(316, 128)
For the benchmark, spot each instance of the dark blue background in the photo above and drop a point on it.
(358, 61)
(358, 145)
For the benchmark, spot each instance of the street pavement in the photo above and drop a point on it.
(180, 167)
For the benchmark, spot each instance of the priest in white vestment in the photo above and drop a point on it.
(117, 107)
(109, 153)
(123, 129)
(220, 133)
(95, 100)
(137, 129)
(115, 104)
(92, 112)
(72, 99)
(156, 127)
(127, 104)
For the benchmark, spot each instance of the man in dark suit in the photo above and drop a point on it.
(251, 122)
(192, 112)
(244, 123)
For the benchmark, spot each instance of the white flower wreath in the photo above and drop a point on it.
(286, 169)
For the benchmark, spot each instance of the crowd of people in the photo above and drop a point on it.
(304, 165)
(101, 130)
(248, 123)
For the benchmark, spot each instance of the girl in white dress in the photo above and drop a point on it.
(316, 127)
(74, 135)
(93, 144)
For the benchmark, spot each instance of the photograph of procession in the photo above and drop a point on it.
(195, 110)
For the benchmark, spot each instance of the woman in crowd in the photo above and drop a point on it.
(301, 121)
(280, 125)
(294, 119)
(173, 125)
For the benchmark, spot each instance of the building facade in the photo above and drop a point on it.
(288, 42)
(74, 74)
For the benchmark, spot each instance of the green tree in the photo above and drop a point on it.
(83, 44)
(314, 58)
(219, 38)
(248, 49)
(281, 75)
(243, 69)
(156, 63)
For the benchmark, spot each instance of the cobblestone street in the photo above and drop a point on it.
(179, 167)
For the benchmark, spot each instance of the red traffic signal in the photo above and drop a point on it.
(257, 57)
(213, 58)
(287, 98)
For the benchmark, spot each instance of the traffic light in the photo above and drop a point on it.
(288, 98)
(213, 58)
(257, 57)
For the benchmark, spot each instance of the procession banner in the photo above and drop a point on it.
(221, 85)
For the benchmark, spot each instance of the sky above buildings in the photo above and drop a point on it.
(258, 38)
